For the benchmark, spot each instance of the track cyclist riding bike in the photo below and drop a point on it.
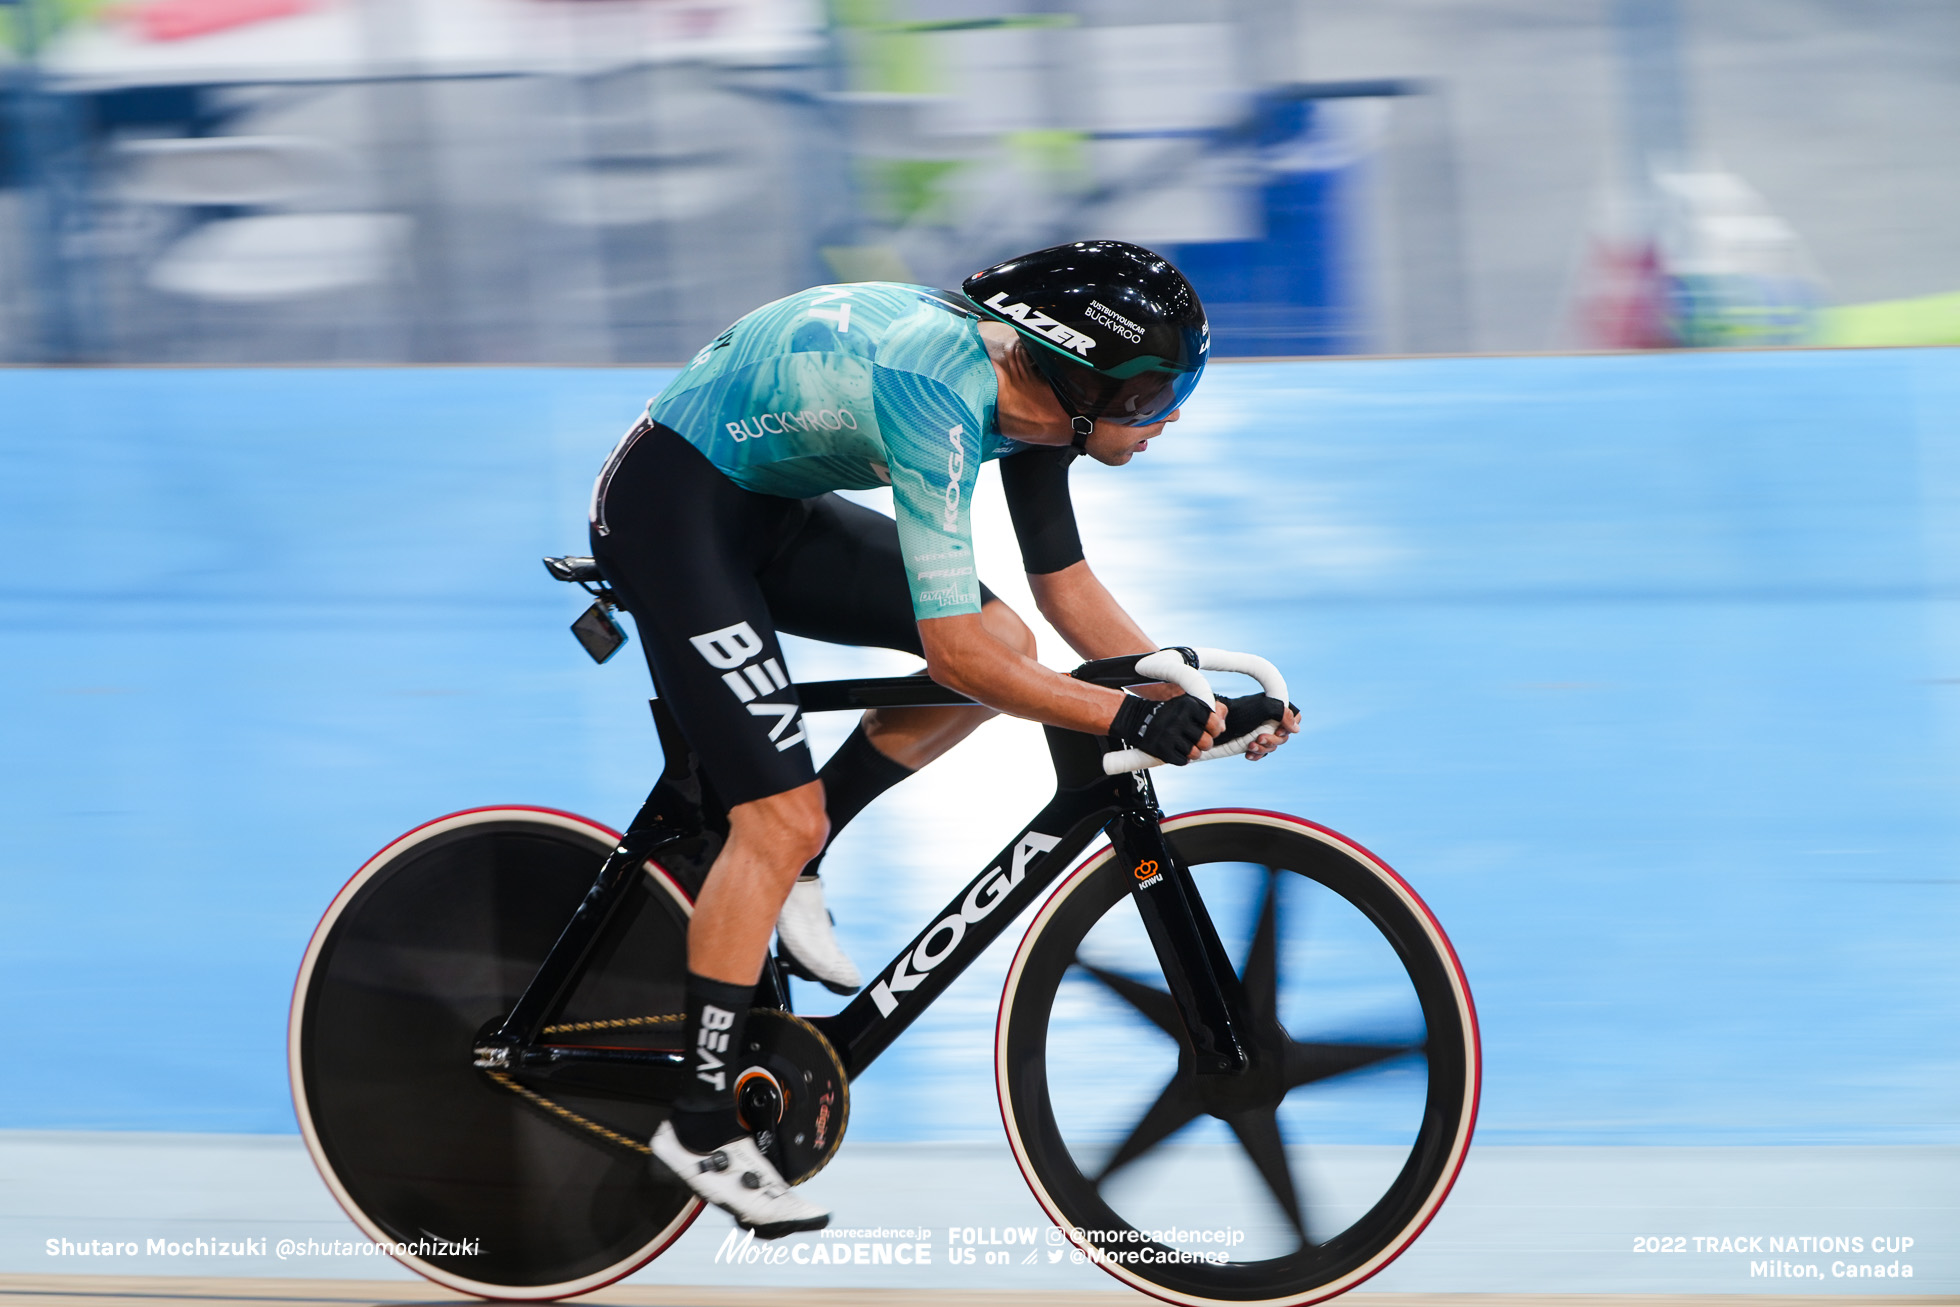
(716, 525)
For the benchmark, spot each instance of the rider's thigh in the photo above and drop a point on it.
(841, 579)
(682, 548)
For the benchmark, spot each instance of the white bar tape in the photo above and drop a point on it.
(1168, 665)
(1221, 660)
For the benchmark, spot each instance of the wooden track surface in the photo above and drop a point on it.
(158, 1291)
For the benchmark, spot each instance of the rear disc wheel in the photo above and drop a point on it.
(477, 1186)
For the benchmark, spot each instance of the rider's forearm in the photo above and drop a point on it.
(1084, 613)
(962, 656)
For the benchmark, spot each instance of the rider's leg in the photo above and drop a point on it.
(852, 777)
(769, 840)
(890, 744)
(681, 545)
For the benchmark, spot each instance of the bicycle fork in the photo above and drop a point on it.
(1197, 971)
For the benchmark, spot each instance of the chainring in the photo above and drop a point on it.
(793, 1085)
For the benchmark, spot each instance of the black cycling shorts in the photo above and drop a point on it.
(711, 572)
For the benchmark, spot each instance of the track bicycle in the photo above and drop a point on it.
(1236, 1056)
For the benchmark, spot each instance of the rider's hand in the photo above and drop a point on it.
(1246, 711)
(1172, 730)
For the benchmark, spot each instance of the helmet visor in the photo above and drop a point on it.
(1136, 401)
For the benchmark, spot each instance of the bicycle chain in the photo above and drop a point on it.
(566, 1114)
(615, 1023)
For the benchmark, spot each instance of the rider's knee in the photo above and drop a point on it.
(1006, 626)
(792, 823)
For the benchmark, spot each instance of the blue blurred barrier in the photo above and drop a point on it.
(1295, 290)
(1644, 670)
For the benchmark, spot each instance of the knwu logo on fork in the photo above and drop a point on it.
(491, 1068)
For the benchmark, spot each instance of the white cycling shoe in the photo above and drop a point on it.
(807, 941)
(738, 1179)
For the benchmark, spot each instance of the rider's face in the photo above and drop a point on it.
(1116, 445)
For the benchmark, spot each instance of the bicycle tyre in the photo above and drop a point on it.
(1075, 1176)
(432, 939)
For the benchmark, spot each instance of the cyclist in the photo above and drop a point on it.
(714, 522)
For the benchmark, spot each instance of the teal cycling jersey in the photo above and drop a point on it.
(849, 388)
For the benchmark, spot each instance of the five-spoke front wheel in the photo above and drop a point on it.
(1297, 1178)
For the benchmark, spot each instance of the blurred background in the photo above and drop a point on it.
(615, 180)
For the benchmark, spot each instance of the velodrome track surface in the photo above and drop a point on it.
(1645, 670)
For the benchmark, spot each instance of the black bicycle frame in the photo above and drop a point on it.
(682, 822)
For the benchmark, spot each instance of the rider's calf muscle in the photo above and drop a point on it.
(769, 841)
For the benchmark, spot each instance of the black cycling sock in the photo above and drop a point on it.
(704, 1114)
(855, 775)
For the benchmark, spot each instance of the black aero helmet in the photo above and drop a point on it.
(1115, 329)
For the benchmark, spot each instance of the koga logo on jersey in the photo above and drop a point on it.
(808, 419)
(955, 469)
(711, 1044)
(732, 648)
(988, 890)
(1042, 324)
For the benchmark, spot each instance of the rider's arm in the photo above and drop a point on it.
(1067, 592)
(1069, 595)
(1084, 613)
(962, 656)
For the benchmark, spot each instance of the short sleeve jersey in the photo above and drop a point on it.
(848, 388)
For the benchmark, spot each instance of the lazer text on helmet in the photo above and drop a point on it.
(1033, 320)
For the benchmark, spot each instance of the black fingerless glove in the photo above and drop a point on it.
(1248, 712)
(1167, 729)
